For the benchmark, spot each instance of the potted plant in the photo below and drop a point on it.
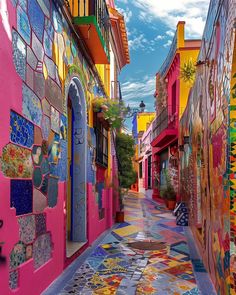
(168, 193)
(188, 72)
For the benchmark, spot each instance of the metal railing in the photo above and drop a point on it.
(165, 120)
(97, 8)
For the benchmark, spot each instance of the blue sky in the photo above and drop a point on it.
(151, 25)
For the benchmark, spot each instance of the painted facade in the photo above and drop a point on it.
(171, 98)
(145, 162)
(53, 191)
(207, 164)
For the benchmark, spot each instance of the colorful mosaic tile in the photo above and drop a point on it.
(45, 6)
(39, 85)
(37, 155)
(62, 163)
(54, 95)
(40, 220)
(36, 17)
(49, 29)
(13, 279)
(31, 106)
(29, 252)
(52, 191)
(30, 77)
(55, 120)
(46, 126)
(19, 54)
(37, 48)
(37, 177)
(39, 201)
(31, 58)
(54, 151)
(16, 162)
(27, 228)
(47, 43)
(42, 250)
(45, 168)
(23, 25)
(22, 131)
(37, 135)
(18, 255)
(46, 108)
(22, 196)
(44, 186)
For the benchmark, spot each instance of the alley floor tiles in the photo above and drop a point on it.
(148, 254)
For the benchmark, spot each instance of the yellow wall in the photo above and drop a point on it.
(185, 56)
(143, 119)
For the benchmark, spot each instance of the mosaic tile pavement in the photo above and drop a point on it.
(115, 267)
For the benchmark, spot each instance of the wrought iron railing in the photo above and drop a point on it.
(165, 120)
(101, 147)
(97, 8)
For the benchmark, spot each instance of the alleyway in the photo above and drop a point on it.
(148, 254)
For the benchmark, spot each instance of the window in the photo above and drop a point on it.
(102, 144)
(140, 170)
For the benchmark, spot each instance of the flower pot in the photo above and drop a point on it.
(120, 217)
(171, 205)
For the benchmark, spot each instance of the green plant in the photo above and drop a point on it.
(161, 98)
(125, 152)
(113, 111)
(168, 192)
(188, 71)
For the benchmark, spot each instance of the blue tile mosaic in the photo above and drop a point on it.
(19, 54)
(49, 29)
(45, 6)
(46, 127)
(22, 196)
(63, 127)
(18, 255)
(45, 169)
(91, 156)
(37, 47)
(47, 43)
(36, 17)
(57, 23)
(32, 108)
(39, 85)
(44, 186)
(37, 177)
(42, 249)
(23, 4)
(52, 191)
(62, 163)
(22, 131)
(13, 279)
(23, 25)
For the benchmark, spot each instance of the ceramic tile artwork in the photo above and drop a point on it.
(49, 28)
(32, 108)
(36, 17)
(29, 252)
(44, 186)
(39, 201)
(23, 4)
(30, 77)
(37, 47)
(39, 85)
(62, 163)
(31, 58)
(37, 135)
(51, 67)
(16, 162)
(46, 126)
(37, 177)
(45, 167)
(18, 255)
(47, 43)
(13, 279)
(45, 6)
(37, 155)
(42, 250)
(52, 191)
(63, 127)
(19, 54)
(53, 94)
(53, 154)
(22, 131)
(55, 118)
(115, 267)
(46, 108)
(23, 25)
(27, 228)
(40, 220)
(21, 196)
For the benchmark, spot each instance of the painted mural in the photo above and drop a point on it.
(47, 65)
(208, 161)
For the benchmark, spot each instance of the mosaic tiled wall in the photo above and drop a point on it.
(46, 59)
(207, 167)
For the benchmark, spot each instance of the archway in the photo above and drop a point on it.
(76, 229)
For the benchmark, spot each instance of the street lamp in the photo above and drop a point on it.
(130, 112)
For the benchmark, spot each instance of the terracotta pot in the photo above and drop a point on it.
(120, 217)
(171, 205)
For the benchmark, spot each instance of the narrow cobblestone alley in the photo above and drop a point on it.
(148, 254)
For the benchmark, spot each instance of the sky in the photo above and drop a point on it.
(151, 25)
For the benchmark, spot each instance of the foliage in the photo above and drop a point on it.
(161, 100)
(125, 152)
(188, 72)
(168, 192)
(113, 111)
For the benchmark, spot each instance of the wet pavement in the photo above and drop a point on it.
(148, 254)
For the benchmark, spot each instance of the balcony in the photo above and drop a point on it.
(91, 20)
(164, 128)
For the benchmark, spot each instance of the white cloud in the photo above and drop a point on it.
(172, 11)
(134, 91)
(123, 1)
(160, 37)
(127, 13)
(170, 33)
(168, 43)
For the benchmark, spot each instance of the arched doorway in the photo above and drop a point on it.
(76, 229)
